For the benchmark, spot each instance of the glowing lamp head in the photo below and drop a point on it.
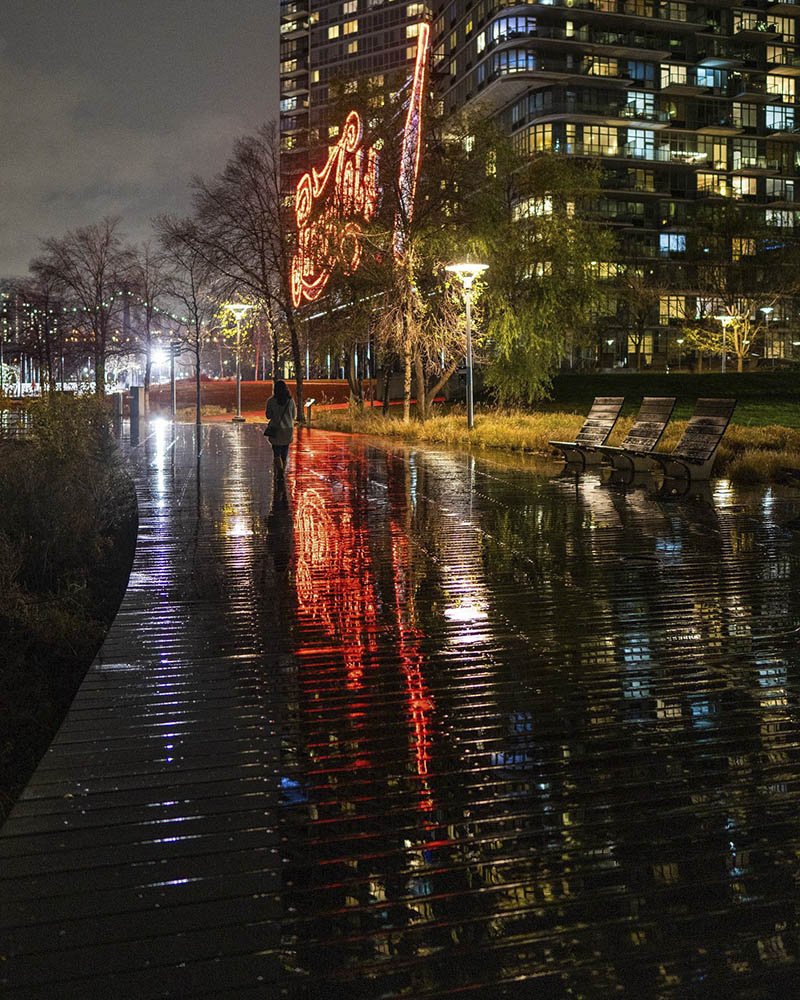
(158, 356)
(468, 271)
(238, 309)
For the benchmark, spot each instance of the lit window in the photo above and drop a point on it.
(315, 76)
(415, 10)
(672, 75)
(333, 131)
(350, 27)
(333, 31)
(782, 85)
(349, 7)
(744, 187)
(671, 307)
(672, 243)
(779, 217)
(741, 247)
(411, 52)
(480, 42)
(780, 118)
(412, 30)
(352, 47)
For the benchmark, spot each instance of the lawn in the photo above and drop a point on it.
(764, 398)
(762, 442)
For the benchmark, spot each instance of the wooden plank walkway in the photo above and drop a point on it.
(421, 726)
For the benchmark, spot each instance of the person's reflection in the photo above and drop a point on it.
(280, 530)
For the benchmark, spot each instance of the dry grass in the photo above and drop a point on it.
(746, 455)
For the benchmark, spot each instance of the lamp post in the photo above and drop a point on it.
(725, 321)
(238, 309)
(468, 272)
(612, 350)
(679, 342)
(768, 310)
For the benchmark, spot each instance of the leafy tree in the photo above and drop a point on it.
(527, 220)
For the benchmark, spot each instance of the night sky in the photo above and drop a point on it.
(107, 107)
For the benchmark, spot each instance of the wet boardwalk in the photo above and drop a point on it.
(424, 726)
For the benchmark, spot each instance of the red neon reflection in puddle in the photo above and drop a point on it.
(337, 590)
(334, 584)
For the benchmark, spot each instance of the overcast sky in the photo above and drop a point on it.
(107, 107)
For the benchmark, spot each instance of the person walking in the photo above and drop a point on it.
(281, 413)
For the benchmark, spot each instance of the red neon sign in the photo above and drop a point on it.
(412, 142)
(348, 188)
(348, 192)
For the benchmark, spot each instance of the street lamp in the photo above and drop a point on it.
(238, 309)
(725, 321)
(679, 342)
(612, 348)
(468, 272)
(768, 310)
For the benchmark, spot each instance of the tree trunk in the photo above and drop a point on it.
(298, 368)
(386, 374)
(740, 364)
(406, 383)
(434, 389)
(99, 368)
(419, 370)
(356, 384)
(198, 400)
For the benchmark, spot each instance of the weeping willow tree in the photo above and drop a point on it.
(528, 219)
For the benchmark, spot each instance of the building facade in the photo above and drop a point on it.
(680, 103)
(336, 41)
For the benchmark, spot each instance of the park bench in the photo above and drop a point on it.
(596, 428)
(693, 456)
(642, 438)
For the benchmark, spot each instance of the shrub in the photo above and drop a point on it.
(67, 530)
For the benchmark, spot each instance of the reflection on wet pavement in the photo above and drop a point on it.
(439, 727)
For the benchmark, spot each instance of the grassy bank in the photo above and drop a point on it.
(746, 455)
(764, 398)
(67, 535)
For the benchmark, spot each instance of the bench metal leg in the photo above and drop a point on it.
(674, 468)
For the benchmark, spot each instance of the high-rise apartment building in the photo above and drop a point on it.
(336, 41)
(679, 102)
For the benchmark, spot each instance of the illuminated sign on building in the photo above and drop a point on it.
(332, 204)
(348, 190)
(412, 142)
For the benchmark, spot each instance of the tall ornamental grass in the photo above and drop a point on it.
(746, 454)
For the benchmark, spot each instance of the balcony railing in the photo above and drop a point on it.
(605, 110)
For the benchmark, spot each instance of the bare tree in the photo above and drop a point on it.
(89, 267)
(639, 296)
(42, 326)
(244, 230)
(190, 280)
(150, 281)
